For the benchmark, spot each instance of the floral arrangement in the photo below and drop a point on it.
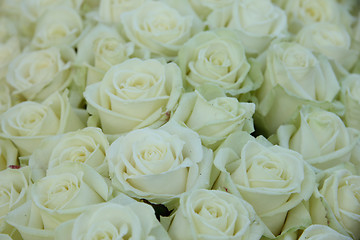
(179, 119)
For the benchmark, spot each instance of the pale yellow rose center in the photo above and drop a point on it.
(323, 127)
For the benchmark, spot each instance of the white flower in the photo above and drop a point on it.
(87, 145)
(204, 8)
(27, 123)
(36, 75)
(274, 180)
(157, 28)
(293, 76)
(320, 136)
(59, 26)
(143, 160)
(8, 154)
(350, 97)
(101, 48)
(258, 22)
(337, 202)
(329, 39)
(110, 11)
(114, 220)
(212, 214)
(134, 94)
(214, 117)
(216, 57)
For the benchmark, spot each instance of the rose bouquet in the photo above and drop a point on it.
(180, 119)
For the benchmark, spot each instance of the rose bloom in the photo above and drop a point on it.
(100, 49)
(213, 214)
(87, 145)
(110, 11)
(157, 28)
(293, 76)
(63, 194)
(134, 94)
(120, 218)
(58, 27)
(27, 123)
(143, 160)
(273, 179)
(258, 22)
(322, 232)
(204, 8)
(214, 117)
(331, 40)
(320, 136)
(216, 57)
(350, 97)
(336, 203)
(35, 75)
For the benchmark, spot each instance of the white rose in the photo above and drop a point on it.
(5, 97)
(157, 28)
(204, 8)
(293, 76)
(320, 136)
(60, 26)
(135, 94)
(14, 188)
(65, 193)
(212, 214)
(258, 22)
(36, 75)
(101, 48)
(350, 97)
(27, 123)
(321, 232)
(216, 57)
(305, 12)
(214, 117)
(8, 51)
(114, 220)
(87, 145)
(273, 179)
(143, 160)
(33, 9)
(337, 203)
(329, 39)
(110, 11)
(8, 154)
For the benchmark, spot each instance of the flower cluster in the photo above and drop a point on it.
(169, 119)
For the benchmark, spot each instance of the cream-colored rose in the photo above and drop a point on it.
(321, 232)
(320, 136)
(258, 22)
(5, 97)
(27, 123)
(101, 48)
(114, 220)
(329, 39)
(14, 190)
(216, 57)
(273, 179)
(213, 214)
(60, 26)
(350, 97)
(36, 75)
(87, 145)
(135, 94)
(34, 9)
(294, 76)
(214, 117)
(157, 28)
(8, 51)
(143, 160)
(110, 11)
(305, 12)
(337, 204)
(8, 154)
(66, 192)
